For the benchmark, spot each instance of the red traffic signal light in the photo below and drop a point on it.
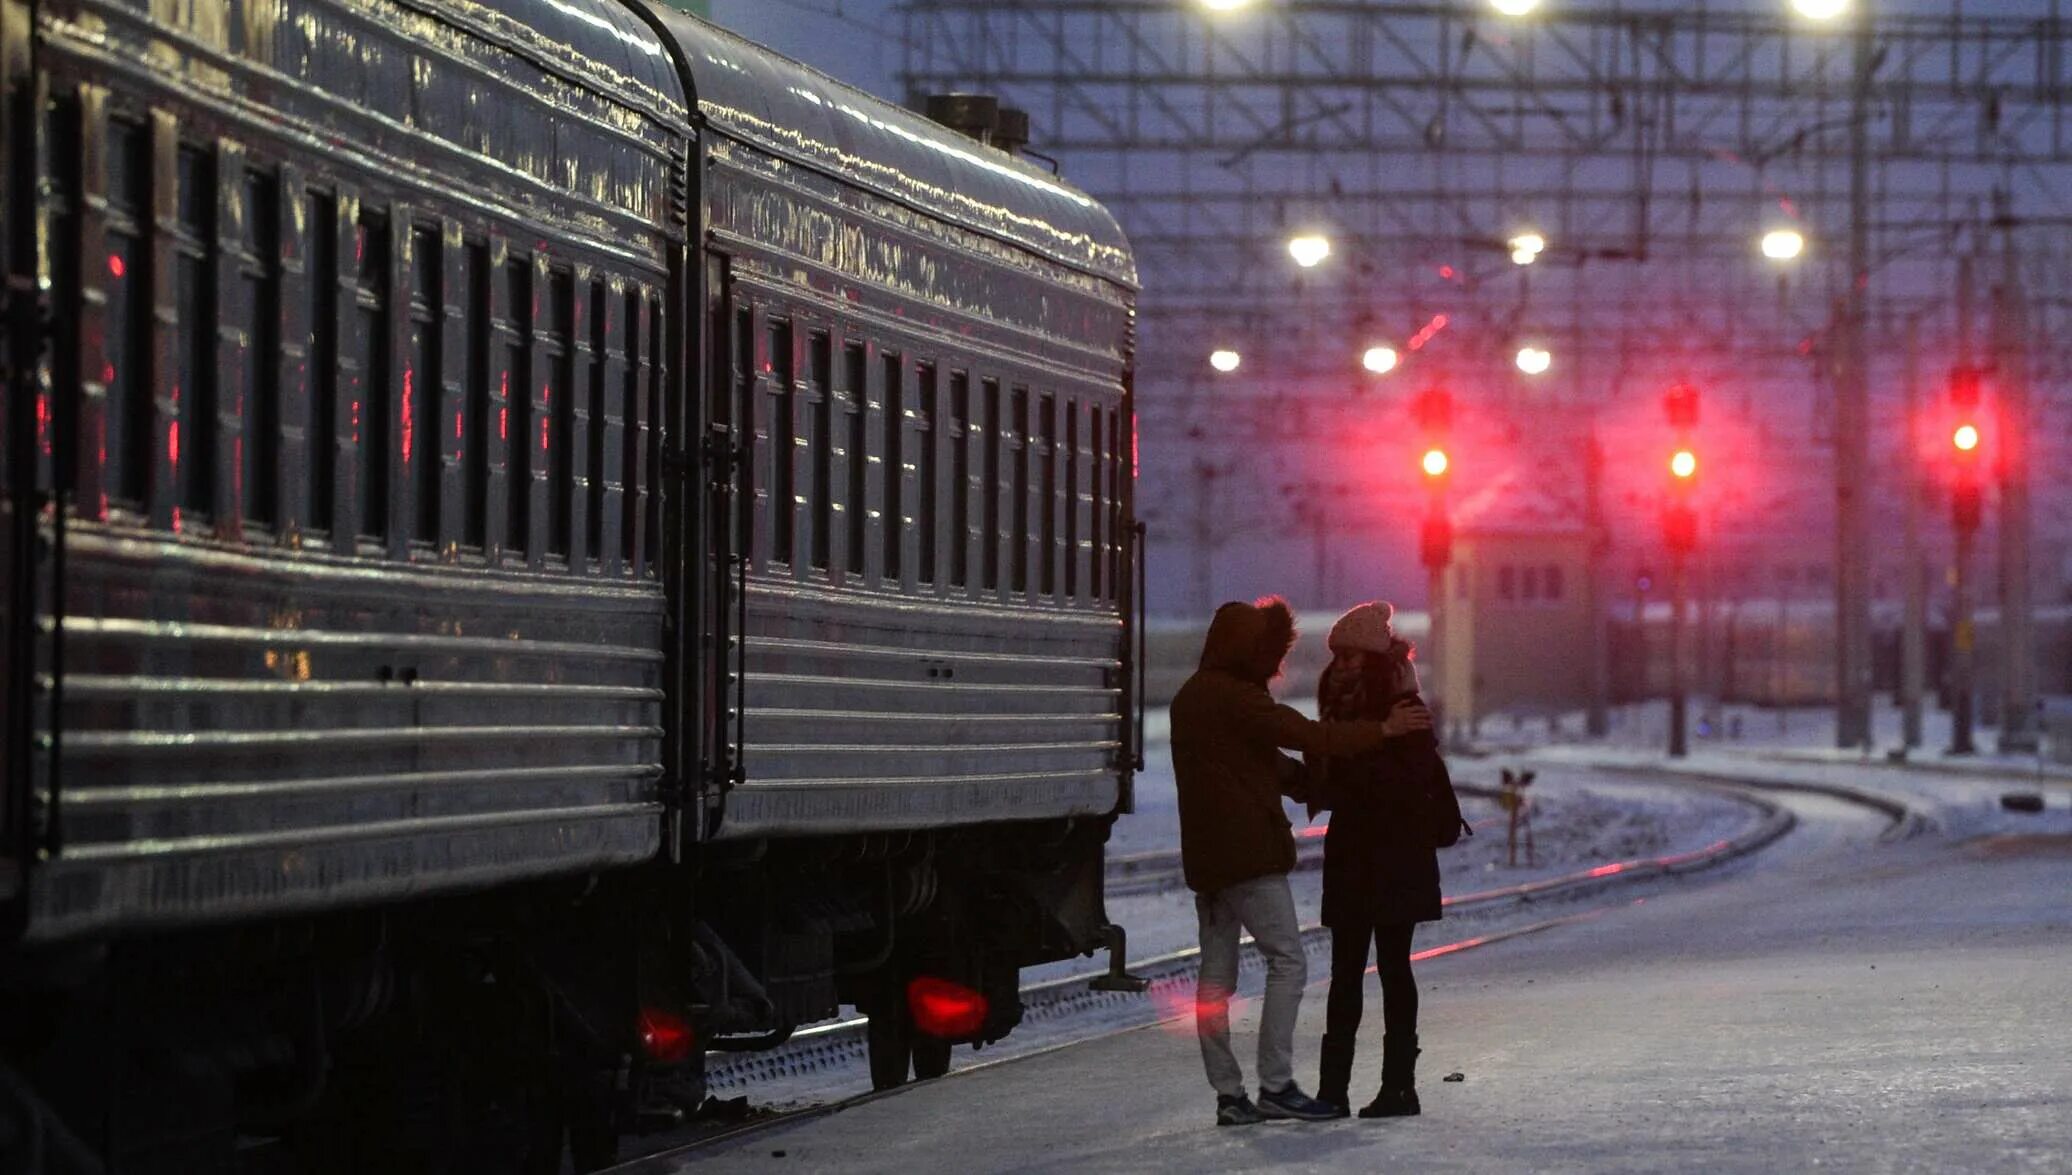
(1965, 438)
(1680, 529)
(1683, 464)
(1680, 404)
(1435, 463)
(1435, 544)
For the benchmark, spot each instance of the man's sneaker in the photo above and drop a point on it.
(1236, 1111)
(1293, 1103)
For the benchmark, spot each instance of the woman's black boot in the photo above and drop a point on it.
(1398, 1096)
(1335, 1074)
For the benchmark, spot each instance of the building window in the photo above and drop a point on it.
(1531, 579)
(1506, 582)
(1550, 582)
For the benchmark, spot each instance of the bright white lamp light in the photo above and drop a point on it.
(1225, 5)
(1514, 7)
(1820, 9)
(1534, 360)
(1783, 244)
(1309, 249)
(1224, 360)
(1379, 360)
(1526, 247)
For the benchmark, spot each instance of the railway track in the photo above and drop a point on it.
(1171, 976)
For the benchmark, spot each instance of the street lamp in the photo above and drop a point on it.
(1534, 360)
(1783, 244)
(1224, 359)
(1225, 5)
(1309, 249)
(1379, 360)
(1514, 7)
(1820, 9)
(1526, 248)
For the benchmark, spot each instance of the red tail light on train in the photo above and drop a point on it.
(945, 1009)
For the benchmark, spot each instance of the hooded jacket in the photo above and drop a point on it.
(1228, 734)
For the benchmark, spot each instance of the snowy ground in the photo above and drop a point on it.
(1838, 1002)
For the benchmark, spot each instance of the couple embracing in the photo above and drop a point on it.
(1374, 762)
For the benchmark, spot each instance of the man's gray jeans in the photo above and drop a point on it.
(1265, 907)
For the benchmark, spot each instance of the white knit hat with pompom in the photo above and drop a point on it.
(1366, 627)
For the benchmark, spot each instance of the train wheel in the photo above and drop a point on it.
(890, 1039)
(931, 1057)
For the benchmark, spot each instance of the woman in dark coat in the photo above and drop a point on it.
(1381, 873)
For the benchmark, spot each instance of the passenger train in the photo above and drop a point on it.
(541, 539)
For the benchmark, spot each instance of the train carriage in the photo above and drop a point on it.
(540, 539)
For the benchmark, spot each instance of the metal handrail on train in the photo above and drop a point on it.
(1143, 581)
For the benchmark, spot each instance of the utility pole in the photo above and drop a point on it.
(1913, 646)
(1599, 717)
(1964, 516)
(1852, 424)
(2010, 344)
(1206, 474)
(1680, 535)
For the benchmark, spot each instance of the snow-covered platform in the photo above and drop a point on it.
(1852, 1004)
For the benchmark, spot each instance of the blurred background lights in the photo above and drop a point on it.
(1514, 7)
(1379, 360)
(1820, 9)
(1526, 248)
(1224, 359)
(1309, 249)
(1534, 360)
(1783, 244)
(1225, 5)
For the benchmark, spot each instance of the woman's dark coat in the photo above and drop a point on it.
(1379, 865)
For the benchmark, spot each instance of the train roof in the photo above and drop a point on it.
(750, 93)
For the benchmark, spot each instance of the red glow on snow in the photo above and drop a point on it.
(503, 424)
(1608, 870)
(1314, 831)
(456, 426)
(665, 1037)
(115, 266)
(409, 415)
(945, 1009)
(172, 444)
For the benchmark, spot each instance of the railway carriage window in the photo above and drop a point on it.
(855, 368)
(1115, 483)
(1047, 419)
(820, 397)
(598, 442)
(990, 540)
(1018, 442)
(744, 422)
(423, 374)
(783, 448)
(925, 414)
(1072, 499)
(558, 428)
(323, 358)
(960, 479)
(126, 348)
(1531, 582)
(62, 200)
(191, 432)
(894, 517)
(654, 377)
(473, 377)
(515, 419)
(371, 405)
(1506, 582)
(259, 269)
(1096, 518)
(1550, 582)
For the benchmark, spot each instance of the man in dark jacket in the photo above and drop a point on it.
(1236, 847)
